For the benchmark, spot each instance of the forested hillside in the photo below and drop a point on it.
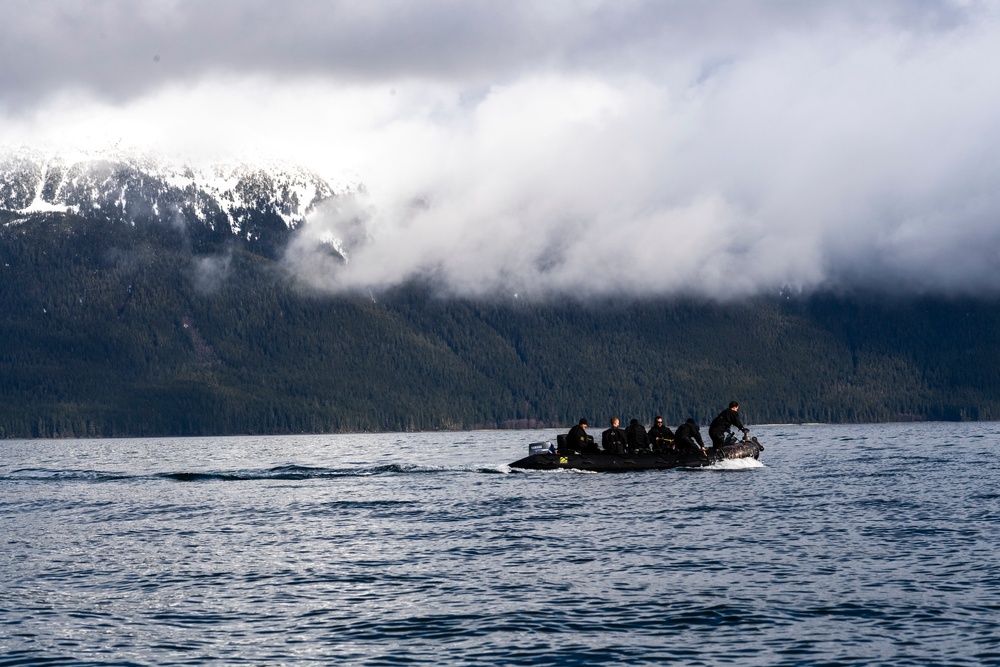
(109, 329)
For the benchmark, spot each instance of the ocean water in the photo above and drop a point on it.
(844, 545)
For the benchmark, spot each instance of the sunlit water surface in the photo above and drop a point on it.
(845, 545)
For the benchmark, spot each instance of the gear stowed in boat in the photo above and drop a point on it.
(545, 456)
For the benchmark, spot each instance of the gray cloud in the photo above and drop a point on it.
(120, 48)
(657, 147)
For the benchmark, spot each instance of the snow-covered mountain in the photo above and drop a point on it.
(251, 200)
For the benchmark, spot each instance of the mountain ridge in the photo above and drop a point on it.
(257, 202)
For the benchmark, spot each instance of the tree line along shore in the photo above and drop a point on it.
(108, 330)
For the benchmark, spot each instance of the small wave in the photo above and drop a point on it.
(503, 469)
(735, 464)
(556, 471)
(33, 658)
(294, 472)
(45, 475)
(284, 472)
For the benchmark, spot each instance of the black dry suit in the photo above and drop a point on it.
(688, 436)
(614, 441)
(578, 440)
(720, 426)
(636, 436)
(660, 432)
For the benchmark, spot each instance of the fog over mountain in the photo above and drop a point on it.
(574, 147)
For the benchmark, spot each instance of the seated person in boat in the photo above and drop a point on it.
(719, 428)
(688, 437)
(635, 435)
(660, 435)
(613, 440)
(577, 439)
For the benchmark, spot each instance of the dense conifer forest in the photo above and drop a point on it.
(109, 329)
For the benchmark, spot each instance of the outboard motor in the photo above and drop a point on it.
(536, 448)
(747, 439)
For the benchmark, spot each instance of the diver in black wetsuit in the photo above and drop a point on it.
(688, 436)
(613, 440)
(720, 426)
(577, 439)
(635, 435)
(660, 436)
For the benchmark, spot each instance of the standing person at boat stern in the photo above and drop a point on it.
(720, 426)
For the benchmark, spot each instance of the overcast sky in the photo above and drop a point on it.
(564, 146)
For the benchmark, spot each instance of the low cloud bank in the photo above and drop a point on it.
(871, 169)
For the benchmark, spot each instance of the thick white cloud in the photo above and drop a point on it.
(714, 148)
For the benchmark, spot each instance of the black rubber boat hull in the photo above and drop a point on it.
(626, 463)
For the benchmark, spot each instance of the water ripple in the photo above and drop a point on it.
(851, 545)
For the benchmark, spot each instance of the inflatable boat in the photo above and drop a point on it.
(548, 456)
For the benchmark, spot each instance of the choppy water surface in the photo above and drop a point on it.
(850, 545)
